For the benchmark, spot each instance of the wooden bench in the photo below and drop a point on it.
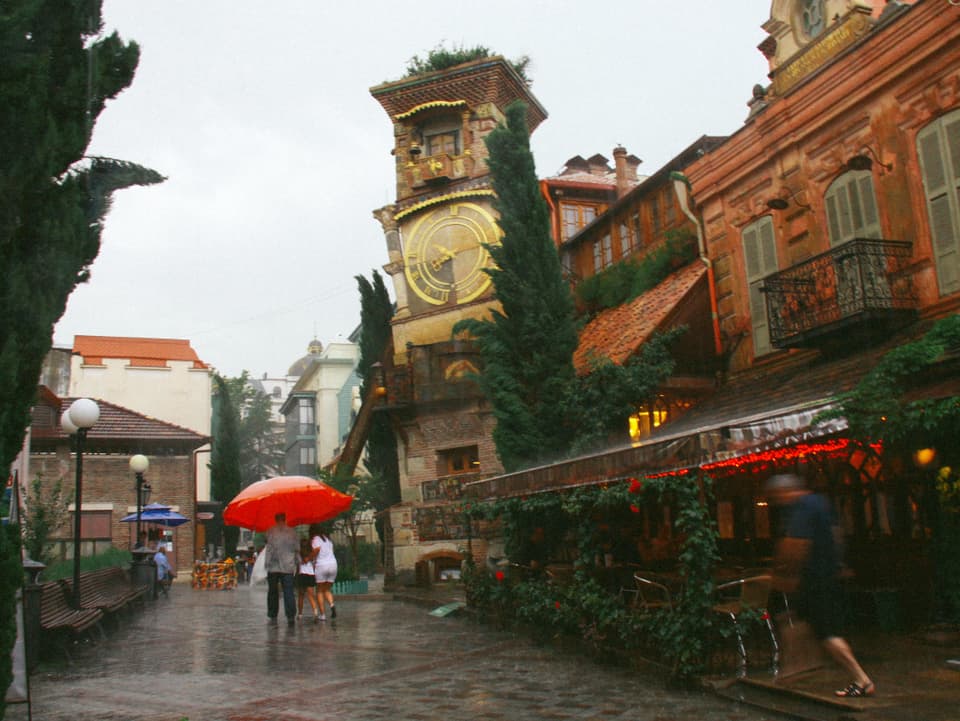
(106, 589)
(56, 615)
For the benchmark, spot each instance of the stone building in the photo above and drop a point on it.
(435, 232)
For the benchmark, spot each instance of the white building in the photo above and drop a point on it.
(158, 377)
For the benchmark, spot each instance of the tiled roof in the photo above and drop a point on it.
(608, 179)
(139, 351)
(618, 333)
(118, 423)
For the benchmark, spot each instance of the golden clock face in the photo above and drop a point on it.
(444, 254)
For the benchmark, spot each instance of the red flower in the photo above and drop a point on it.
(500, 575)
(634, 508)
(635, 486)
(556, 605)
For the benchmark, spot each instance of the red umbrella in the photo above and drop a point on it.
(303, 499)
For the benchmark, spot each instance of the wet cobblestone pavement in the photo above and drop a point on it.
(211, 656)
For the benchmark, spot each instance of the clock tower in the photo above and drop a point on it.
(443, 215)
(437, 233)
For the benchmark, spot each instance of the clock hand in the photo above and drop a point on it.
(437, 263)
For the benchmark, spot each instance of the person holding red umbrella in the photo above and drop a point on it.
(281, 558)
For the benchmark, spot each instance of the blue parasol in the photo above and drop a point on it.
(158, 514)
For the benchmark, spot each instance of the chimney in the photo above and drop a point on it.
(623, 173)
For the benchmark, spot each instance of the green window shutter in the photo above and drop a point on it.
(852, 208)
(868, 201)
(760, 260)
(938, 146)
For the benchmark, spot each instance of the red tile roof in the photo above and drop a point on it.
(116, 423)
(618, 333)
(139, 351)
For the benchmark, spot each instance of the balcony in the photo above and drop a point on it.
(437, 169)
(861, 287)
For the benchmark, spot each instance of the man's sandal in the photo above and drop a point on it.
(855, 690)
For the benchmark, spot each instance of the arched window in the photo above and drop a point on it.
(938, 146)
(852, 207)
(760, 260)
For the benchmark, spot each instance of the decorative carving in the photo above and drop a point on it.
(922, 105)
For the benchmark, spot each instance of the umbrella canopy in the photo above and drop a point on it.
(303, 499)
(160, 516)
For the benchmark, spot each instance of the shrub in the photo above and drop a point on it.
(110, 557)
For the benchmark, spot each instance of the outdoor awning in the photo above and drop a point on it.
(722, 441)
(770, 407)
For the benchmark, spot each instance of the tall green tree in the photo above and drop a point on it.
(527, 346)
(56, 74)
(225, 473)
(260, 443)
(376, 310)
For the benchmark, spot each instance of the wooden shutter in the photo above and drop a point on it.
(760, 260)
(938, 146)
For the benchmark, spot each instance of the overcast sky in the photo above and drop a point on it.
(261, 118)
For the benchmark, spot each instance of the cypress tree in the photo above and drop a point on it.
(527, 346)
(376, 310)
(225, 471)
(53, 85)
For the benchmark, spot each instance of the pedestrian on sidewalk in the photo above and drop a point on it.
(164, 570)
(807, 568)
(306, 581)
(324, 568)
(281, 565)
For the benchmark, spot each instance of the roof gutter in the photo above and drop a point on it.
(681, 186)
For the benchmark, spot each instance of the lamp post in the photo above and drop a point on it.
(139, 465)
(79, 418)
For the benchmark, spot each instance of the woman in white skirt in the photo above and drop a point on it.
(324, 568)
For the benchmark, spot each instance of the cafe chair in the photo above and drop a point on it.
(648, 595)
(744, 594)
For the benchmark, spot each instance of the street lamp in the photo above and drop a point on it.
(139, 465)
(80, 417)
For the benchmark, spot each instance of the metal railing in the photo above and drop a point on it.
(859, 281)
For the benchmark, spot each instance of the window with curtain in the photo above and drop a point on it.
(760, 260)
(574, 217)
(852, 207)
(306, 417)
(938, 146)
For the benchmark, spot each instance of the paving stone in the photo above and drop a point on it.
(210, 656)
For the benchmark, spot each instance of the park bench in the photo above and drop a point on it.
(106, 589)
(56, 615)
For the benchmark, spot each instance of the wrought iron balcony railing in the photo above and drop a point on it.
(863, 281)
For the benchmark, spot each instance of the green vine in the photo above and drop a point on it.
(880, 409)
(622, 282)
(536, 527)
